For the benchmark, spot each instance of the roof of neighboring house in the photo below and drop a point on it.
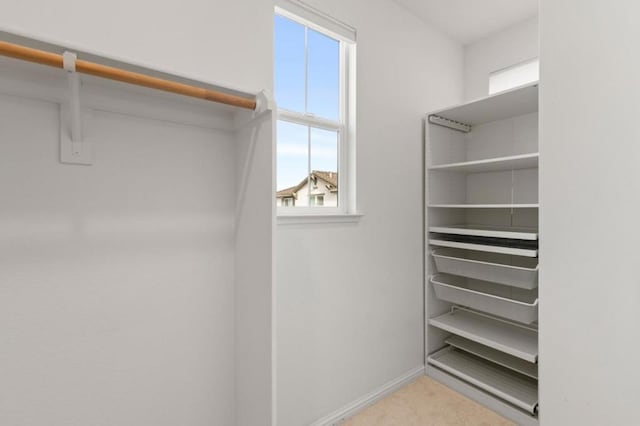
(331, 178)
(287, 192)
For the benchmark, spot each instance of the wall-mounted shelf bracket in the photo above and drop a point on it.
(74, 149)
(265, 103)
(451, 124)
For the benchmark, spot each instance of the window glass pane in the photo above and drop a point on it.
(323, 83)
(293, 159)
(289, 64)
(324, 166)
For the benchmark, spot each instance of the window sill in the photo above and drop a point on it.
(309, 219)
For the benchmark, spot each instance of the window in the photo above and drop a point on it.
(288, 202)
(514, 76)
(313, 56)
(317, 200)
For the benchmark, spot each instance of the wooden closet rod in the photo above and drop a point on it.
(112, 73)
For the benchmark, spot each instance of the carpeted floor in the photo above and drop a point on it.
(426, 402)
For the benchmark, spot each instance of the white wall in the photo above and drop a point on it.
(513, 45)
(590, 195)
(116, 279)
(254, 267)
(181, 366)
(217, 41)
(341, 337)
(350, 296)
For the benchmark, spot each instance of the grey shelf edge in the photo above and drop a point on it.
(512, 339)
(492, 232)
(485, 247)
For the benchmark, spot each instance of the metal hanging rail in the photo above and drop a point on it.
(112, 73)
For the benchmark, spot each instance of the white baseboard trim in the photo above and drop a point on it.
(359, 404)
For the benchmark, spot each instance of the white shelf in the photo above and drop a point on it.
(500, 406)
(515, 251)
(446, 288)
(507, 104)
(487, 231)
(516, 364)
(516, 389)
(515, 162)
(483, 206)
(512, 339)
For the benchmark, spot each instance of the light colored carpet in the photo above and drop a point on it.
(426, 402)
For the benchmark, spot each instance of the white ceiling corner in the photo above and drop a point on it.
(467, 21)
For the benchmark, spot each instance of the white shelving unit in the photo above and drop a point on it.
(481, 227)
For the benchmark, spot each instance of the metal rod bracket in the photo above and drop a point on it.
(265, 101)
(73, 148)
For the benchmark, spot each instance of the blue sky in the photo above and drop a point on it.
(322, 99)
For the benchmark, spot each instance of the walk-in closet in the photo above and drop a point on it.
(319, 213)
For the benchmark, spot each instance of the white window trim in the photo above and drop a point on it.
(309, 219)
(345, 126)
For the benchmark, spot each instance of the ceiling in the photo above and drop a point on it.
(470, 20)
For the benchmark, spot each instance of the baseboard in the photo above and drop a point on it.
(358, 405)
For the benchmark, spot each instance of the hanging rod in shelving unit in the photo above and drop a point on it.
(451, 124)
(86, 67)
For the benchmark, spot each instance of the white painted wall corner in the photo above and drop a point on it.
(350, 410)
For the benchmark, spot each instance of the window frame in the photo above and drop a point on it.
(344, 126)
